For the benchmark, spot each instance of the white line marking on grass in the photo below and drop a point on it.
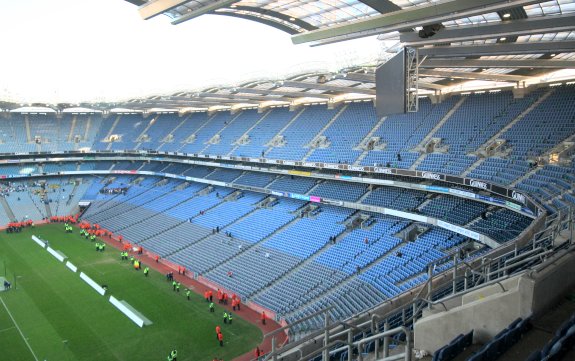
(7, 329)
(19, 330)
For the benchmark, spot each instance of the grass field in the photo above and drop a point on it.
(62, 318)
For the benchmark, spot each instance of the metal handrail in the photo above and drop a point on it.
(484, 272)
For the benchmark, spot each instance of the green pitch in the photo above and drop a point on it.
(51, 314)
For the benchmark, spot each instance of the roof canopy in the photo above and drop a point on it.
(459, 40)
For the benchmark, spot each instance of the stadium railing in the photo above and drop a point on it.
(405, 309)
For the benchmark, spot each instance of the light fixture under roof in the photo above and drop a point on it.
(292, 19)
(506, 15)
(552, 55)
(502, 39)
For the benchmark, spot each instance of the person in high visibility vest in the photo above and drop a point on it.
(188, 294)
(178, 287)
(174, 354)
(230, 318)
(212, 307)
(174, 283)
(225, 317)
(146, 270)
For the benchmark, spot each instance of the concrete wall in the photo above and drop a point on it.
(490, 309)
(487, 311)
(553, 283)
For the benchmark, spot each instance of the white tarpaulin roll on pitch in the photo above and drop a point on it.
(126, 311)
(93, 284)
(71, 266)
(39, 241)
(54, 253)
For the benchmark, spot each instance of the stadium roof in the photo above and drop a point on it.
(463, 45)
(458, 40)
(335, 20)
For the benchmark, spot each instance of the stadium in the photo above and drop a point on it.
(416, 206)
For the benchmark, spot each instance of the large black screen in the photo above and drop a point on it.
(390, 86)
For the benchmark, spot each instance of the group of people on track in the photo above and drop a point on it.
(15, 227)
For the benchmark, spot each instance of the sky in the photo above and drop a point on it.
(101, 50)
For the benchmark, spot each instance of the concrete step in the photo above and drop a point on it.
(111, 131)
(71, 133)
(446, 117)
(525, 176)
(7, 209)
(48, 210)
(518, 118)
(248, 131)
(88, 126)
(284, 128)
(472, 167)
(361, 157)
(366, 138)
(418, 161)
(182, 122)
(28, 133)
(197, 130)
(220, 131)
(322, 130)
(144, 132)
